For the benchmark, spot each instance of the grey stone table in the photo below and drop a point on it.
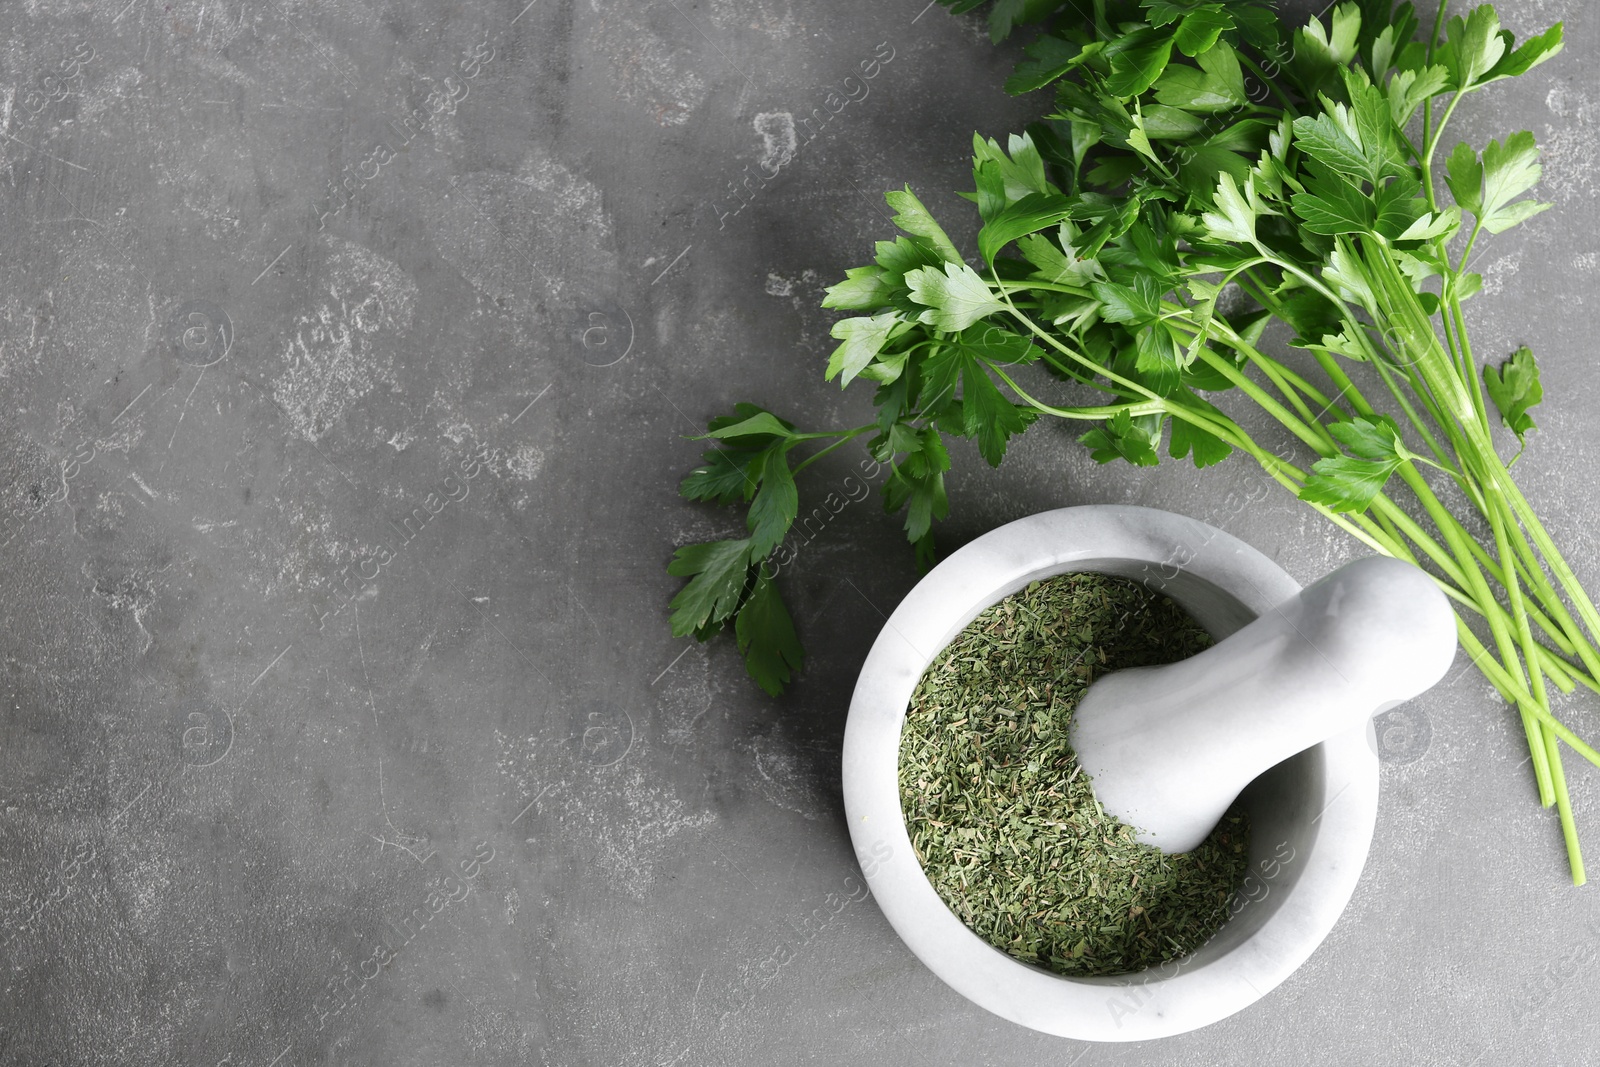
(347, 350)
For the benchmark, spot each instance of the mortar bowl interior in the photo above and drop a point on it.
(1311, 816)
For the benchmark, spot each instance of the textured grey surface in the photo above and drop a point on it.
(334, 529)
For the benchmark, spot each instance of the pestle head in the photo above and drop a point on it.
(1168, 749)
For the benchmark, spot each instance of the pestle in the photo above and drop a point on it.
(1168, 749)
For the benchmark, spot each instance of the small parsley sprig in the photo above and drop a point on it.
(1199, 176)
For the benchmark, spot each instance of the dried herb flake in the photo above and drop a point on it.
(1002, 820)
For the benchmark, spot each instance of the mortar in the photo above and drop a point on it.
(1311, 815)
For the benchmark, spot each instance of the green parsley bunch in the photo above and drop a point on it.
(1198, 177)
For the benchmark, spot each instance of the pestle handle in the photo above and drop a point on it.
(1169, 748)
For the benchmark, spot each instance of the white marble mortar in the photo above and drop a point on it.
(1312, 816)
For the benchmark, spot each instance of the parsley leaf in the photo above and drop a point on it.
(1358, 142)
(1235, 217)
(1205, 447)
(776, 503)
(997, 345)
(1376, 438)
(1351, 483)
(863, 339)
(1346, 484)
(1336, 206)
(902, 254)
(1048, 59)
(1029, 215)
(863, 289)
(1216, 85)
(954, 298)
(1488, 188)
(1055, 265)
(1009, 13)
(1137, 60)
(1125, 436)
(1514, 389)
(987, 416)
(1464, 176)
(917, 484)
(1472, 46)
(751, 422)
(1509, 170)
(718, 571)
(915, 220)
(1200, 28)
(724, 477)
(1408, 89)
(1132, 305)
(767, 638)
(1534, 51)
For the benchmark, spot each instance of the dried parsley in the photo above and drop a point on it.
(1003, 822)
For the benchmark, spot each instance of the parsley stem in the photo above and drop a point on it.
(1478, 450)
(1455, 536)
(845, 436)
(1528, 566)
(1432, 143)
(1558, 630)
(1132, 388)
(1321, 443)
(1469, 366)
(1148, 407)
(1395, 521)
(1472, 239)
(1547, 548)
(1462, 367)
(1508, 688)
(1427, 105)
(1569, 829)
(1433, 34)
(1052, 287)
(1280, 376)
(1455, 570)
(1387, 375)
(1561, 673)
(1270, 83)
(1359, 334)
(1535, 733)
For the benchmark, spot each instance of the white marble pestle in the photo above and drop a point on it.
(1169, 748)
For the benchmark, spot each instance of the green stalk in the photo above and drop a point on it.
(1132, 388)
(1031, 285)
(1547, 547)
(1463, 404)
(1534, 573)
(1411, 414)
(1476, 586)
(1569, 828)
(1469, 372)
(1492, 472)
(845, 436)
(1321, 443)
(1429, 135)
(1289, 384)
(1502, 681)
(1535, 733)
(1149, 407)
(1558, 673)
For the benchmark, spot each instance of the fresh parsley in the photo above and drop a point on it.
(1197, 173)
